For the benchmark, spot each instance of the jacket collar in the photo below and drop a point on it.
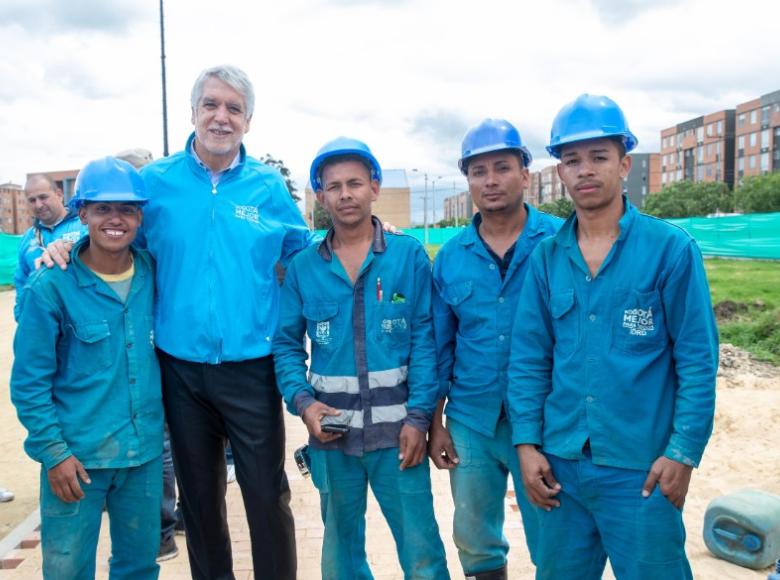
(378, 245)
(567, 236)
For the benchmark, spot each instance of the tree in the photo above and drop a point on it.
(759, 194)
(686, 199)
(562, 207)
(279, 164)
(321, 217)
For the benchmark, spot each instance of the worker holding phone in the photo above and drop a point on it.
(364, 298)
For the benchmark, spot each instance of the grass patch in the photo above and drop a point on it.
(746, 297)
(6, 287)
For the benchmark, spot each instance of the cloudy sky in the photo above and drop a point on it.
(81, 79)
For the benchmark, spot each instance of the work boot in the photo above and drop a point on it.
(498, 574)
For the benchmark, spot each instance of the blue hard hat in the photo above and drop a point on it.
(109, 179)
(589, 117)
(489, 136)
(342, 146)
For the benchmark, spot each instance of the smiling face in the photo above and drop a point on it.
(220, 121)
(348, 192)
(593, 173)
(112, 225)
(496, 182)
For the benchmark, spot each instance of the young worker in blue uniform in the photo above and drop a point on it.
(364, 299)
(86, 386)
(53, 221)
(478, 276)
(612, 370)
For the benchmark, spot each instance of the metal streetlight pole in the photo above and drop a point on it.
(425, 205)
(164, 84)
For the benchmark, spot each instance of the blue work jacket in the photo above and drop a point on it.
(473, 313)
(34, 241)
(626, 359)
(372, 349)
(85, 379)
(216, 247)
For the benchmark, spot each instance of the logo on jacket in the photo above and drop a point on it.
(71, 237)
(248, 213)
(322, 332)
(390, 325)
(638, 321)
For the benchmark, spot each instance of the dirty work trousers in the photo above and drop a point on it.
(69, 531)
(405, 500)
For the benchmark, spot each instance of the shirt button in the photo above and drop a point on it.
(501, 300)
(592, 317)
(589, 399)
(501, 337)
(129, 345)
(492, 266)
(588, 278)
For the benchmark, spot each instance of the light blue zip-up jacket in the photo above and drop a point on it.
(626, 359)
(34, 241)
(85, 380)
(473, 312)
(372, 346)
(216, 247)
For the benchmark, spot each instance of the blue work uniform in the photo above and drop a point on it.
(86, 383)
(373, 359)
(608, 373)
(34, 241)
(474, 307)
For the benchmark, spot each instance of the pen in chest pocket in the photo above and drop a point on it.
(379, 289)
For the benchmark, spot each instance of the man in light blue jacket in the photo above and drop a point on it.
(613, 365)
(217, 223)
(478, 276)
(53, 221)
(364, 300)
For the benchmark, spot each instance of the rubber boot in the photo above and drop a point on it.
(499, 574)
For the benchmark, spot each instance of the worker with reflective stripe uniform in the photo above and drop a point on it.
(364, 299)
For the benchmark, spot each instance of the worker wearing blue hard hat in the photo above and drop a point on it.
(364, 298)
(86, 386)
(613, 366)
(477, 278)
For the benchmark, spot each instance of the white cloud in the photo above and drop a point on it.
(82, 79)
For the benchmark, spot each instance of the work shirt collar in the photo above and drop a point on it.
(567, 236)
(378, 244)
(86, 277)
(71, 213)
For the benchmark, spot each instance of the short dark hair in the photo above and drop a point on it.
(342, 159)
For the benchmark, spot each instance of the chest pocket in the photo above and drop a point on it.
(470, 318)
(639, 325)
(323, 325)
(393, 325)
(91, 347)
(565, 321)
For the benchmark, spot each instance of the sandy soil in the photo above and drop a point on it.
(742, 452)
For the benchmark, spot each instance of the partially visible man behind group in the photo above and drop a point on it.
(544, 344)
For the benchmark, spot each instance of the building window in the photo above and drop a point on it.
(741, 119)
(765, 139)
(700, 133)
(700, 154)
(765, 115)
(741, 164)
(764, 162)
(700, 173)
(679, 175)
(720, 127)
(753, 116)
(753, 139)
(663, 177)
(752, 162)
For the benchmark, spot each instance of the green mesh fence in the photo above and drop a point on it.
(754, 235)
(8, 256)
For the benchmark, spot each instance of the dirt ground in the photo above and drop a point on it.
(743, 451)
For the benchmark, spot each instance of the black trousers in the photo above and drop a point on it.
(205, 405)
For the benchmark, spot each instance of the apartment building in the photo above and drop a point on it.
(15, 215)
(758, 136)
(551, 187)
(644, 178)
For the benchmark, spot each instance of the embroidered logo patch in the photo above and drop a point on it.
(390, 325)
(248, 213)
(322, 332)
(638, 321)
(72, 237)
